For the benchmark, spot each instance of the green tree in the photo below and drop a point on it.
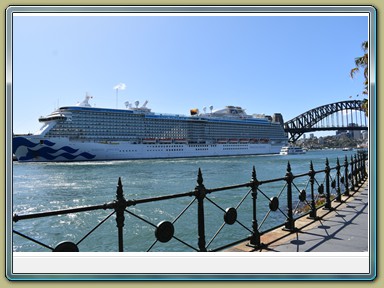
(362, 63)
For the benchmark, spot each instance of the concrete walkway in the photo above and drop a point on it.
(343, 229)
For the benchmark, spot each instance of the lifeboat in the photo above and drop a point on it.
(149, 141)
(180, 141)
(165, 141)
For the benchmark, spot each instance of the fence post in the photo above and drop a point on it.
(364, 173)
(346, 192)
(352, 188)
(357, 171)
(365, 162)
(311, 174)
(290, 223)
(120, 206)
(361, 165)
(328, 205)
(200, 193)
(255, 237)
(338, 190)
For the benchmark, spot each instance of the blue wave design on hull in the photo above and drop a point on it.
(49, 143)
(46, 152)
(21, 141)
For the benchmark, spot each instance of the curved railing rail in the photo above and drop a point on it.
(303, 194)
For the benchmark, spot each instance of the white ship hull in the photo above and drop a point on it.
(35, 149)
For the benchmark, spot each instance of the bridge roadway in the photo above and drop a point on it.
(343, 229)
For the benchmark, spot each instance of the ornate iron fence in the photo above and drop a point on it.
(304, 194)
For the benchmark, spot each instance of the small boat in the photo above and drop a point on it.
(149, 141)
(291, 150)
(180, 141)
(165, 141)
(347, 149)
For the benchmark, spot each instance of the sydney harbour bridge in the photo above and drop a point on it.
(344, 115)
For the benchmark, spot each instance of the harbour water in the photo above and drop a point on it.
(39, 187)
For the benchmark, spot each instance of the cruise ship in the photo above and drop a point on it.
(85, 133)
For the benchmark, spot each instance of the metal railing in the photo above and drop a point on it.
(304, 194)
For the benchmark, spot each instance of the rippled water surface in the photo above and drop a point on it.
(41, 187)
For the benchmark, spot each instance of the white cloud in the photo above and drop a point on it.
(120, 86)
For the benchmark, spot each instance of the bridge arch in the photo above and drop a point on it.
(310, 120)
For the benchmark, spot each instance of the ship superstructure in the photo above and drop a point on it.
(83, 132)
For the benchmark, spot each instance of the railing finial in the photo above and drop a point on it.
(200, 195)
(119, 190)
(254, 173)
(199, 177)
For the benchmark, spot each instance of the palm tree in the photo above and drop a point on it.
(362, 63)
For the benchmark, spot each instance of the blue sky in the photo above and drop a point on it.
(267, 64)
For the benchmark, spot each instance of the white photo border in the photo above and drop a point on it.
(23, 266)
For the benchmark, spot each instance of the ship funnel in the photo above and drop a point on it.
(211, 108)
(137, 103)
(194, 111)
(126, 103)
(85, 103)
(278, 117)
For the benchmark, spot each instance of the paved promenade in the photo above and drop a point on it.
(344, 229)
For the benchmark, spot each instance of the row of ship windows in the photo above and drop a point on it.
(235, 133)
(207, 129)
(138, 137)
(202, 145)
(180, 150)
(126, 117)
(168, 146)
(164, 129)
(133, 117)
(235, 148)
(164, 134)
(163, 123)
(143, 136)
(159, 122)
(174, 131)
(218, 132)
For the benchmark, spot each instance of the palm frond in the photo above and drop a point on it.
(354, 71)
(364, 46)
